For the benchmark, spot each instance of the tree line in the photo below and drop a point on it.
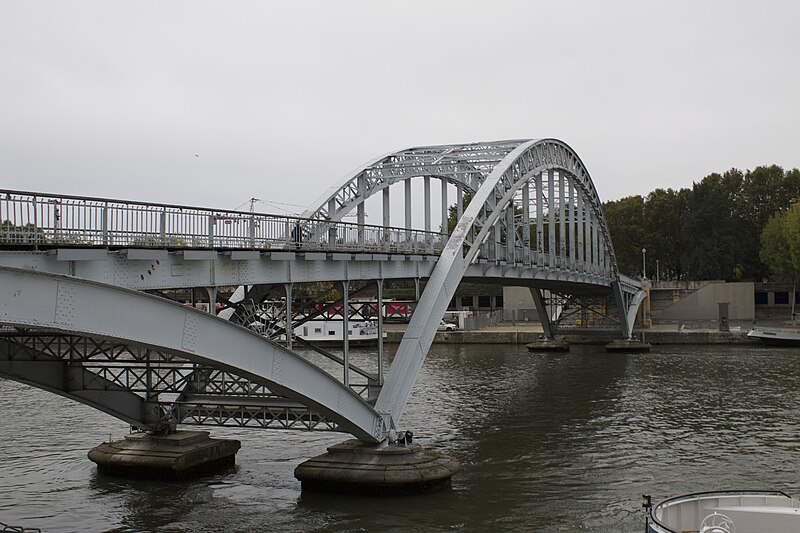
(733, 226)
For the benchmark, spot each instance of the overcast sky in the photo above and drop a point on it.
(211, 103)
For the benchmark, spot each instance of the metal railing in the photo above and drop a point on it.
(38, 220)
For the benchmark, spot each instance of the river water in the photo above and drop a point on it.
(547, 442)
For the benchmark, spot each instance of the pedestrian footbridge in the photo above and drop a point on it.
(85, 285)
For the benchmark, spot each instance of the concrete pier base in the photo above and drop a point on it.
(548, 345)
(174, 456)
(357, 468)
(627, 345)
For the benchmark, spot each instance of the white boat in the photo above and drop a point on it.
(331, 332)
(746, 511)
(776, 336)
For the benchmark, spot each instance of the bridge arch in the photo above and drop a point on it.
(527, 161)
(55, 303)
(468, 166)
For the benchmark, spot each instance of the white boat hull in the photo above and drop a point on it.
(739, 511)
(776, 336)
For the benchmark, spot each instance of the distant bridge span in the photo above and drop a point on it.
(533, 219)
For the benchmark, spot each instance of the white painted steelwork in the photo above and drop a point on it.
(65, 304)
(47, 221)
(534, 219)
(494, 192)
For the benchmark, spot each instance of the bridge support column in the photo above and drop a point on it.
(346, 331)
(547, 343)
(289, 329)
(176, 455)
(358, 468)
(380, 334)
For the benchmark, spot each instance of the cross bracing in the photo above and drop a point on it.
(527, 213)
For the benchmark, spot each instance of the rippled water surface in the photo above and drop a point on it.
(553, 442)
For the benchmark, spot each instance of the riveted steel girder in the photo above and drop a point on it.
(26, 364)
(59, 303)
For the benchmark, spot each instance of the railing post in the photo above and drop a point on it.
(105, 224)
(332, 235)
(211, 221)
(253, 230)
(162, 232)
(35, 226)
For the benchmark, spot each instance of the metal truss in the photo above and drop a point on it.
(582, 313)
(134, 355)
(167, 389)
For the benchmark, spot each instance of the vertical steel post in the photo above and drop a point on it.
(380, 332)
(427, 194)
(595, 259)
(511, 233)
(212, 300)
(346, 331)
(427, 201)
(407, 184)
(162, 226)
(386, 216)
(571, 228)
(360, 210)
(581, 234)
(551, 219)
(494, 243)
(105, 224)
(445, 208)
(526, 223)
(211, 223)
(36, 231)
(252, 230)
(289, 329)
(539, 221)
(562, 222)
(459, 201)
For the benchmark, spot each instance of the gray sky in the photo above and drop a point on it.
(281, 99)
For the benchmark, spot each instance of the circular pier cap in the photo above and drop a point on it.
(357, 468)
(548, 345)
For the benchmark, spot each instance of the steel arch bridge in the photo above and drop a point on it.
(72, 272)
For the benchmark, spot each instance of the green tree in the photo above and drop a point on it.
(664, 211)
(716, 243)
(625, 219)
(780, 247)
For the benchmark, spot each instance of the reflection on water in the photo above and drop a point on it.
(547, 442)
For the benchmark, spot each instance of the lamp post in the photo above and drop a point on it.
(658, 277)
(644, 263)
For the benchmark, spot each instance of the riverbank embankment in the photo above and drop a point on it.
(527, 333)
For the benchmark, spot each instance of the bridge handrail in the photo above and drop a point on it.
(33, 219)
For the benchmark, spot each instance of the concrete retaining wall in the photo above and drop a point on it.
(525, 337)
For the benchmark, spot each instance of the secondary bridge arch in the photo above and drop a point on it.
(54, 303)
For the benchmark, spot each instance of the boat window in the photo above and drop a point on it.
(762, 298)
(781, 297)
